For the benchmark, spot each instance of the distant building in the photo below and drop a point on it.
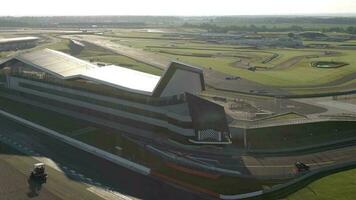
(116, 96)
(11, 44)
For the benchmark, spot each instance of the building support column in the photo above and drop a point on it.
(245, 139)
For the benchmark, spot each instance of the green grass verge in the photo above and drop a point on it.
(339, 186)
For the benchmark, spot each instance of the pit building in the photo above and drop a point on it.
(117, 97)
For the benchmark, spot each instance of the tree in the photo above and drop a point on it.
(291, 35)
(351, 30)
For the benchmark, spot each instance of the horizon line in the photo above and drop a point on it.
(346, 14)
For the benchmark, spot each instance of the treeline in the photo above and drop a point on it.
(71, 21)
(213, 23)
(284, 20)
(350, 29)
(210, 27)
(213, 28)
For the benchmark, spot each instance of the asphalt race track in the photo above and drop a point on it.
(118, 178)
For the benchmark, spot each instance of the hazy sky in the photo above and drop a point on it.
(175, 7)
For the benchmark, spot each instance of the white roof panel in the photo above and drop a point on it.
(17, 39)
(124, 77)
(56, 62)
(67, 67)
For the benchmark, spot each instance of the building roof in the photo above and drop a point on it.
(123, 77)
(76, 42)
(56, 63)
(17, 39)
(64, 66)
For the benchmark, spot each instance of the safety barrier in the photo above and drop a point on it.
(80, 145)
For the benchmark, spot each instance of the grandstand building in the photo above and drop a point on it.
(11, 44)
(117, 97)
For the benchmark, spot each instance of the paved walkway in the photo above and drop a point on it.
(333, 107)
(342, 106)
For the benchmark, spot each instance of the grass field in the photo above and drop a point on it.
(227, 58)
(339, 186)
(287, 68)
